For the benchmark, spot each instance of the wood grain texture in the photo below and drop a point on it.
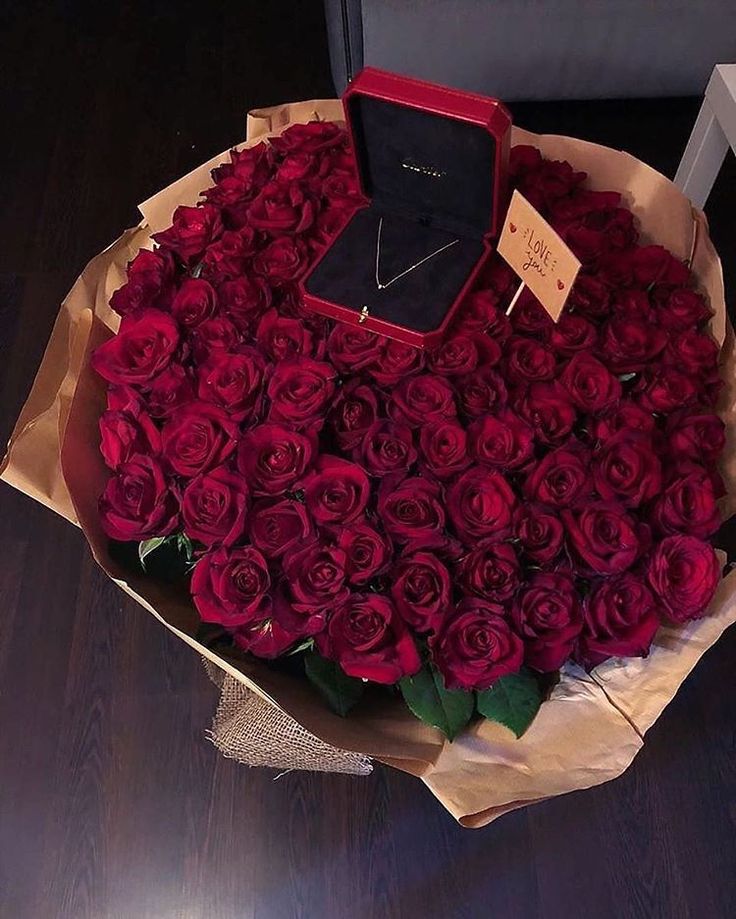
(112, 803)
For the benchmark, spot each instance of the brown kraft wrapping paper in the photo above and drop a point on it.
(592, 726)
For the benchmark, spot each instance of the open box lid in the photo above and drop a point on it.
(434, 154)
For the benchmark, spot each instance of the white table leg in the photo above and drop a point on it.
(703, 157)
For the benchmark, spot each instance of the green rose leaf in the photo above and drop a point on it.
(341, 691)
(447, 709)
(149, 545)
(513, 701)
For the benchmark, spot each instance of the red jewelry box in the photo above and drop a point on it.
(433, 168)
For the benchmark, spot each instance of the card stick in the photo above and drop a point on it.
(516, 297)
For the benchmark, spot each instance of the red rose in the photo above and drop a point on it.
(230, 586)
(352, 347)
(194, 302)
(197, 437)
(444, 446)
(297, 166)
(281, 337)
(573, 333)
(327, 225)
(277, 525)
(250, 165)
(313, 137)
(281, 208)
(283, 260)
(476, 646)
(502, 439)
(341, 191)
(696, 435)
(213, 507)
(491, 571)
(367, 552)
(316, 576)
(481, 392)
(663, 389)
(547, 408)
(233, 381)
(411, 510)
(123, 434)
(336, 491)
(620, 620)
(628, 416)
(528, 361)
(227, 258)
(368, 639)
(602, 538)
(300, 391)
(632, 304)
(386, 447)
(682, 310)
(590, 297)
(353, 412)
(421, 590)
(588, 243)
(460, 354)
(591, 385)
(691, 351)
(244, 300)
(547, 616)
(150, 283)
(138, 502)
(171, 389)
(271, 637)
(562, 478)
(394, 362)
(530, 318)
(273, 458)
(524, 159)
(626, 468)
(616, 268)
(212, 336)
(627, 345)
(688, 504)
(684, 573)
(192, 230)
(142, 348)
(655, 265)
(480, 313)
(481, 503)
(539, 531)
(422, 399)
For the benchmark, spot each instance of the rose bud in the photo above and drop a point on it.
(620, 620)
(491, 571)
(351, 348)
(395, 362)
(481, 392)
(244, 300)
(411, 510)
(123, 434)
(422, 399)
(547, 616)
(528, 361)
(336, 491)
(191, 231)
(282, 261)
(277, 525)
(369, 640)
(138, 502)
(682, 310)
(354, 410)
(684, 573)
(562, 478)
(213, 507)
(197, 437)
(367, 551)
(591, 386)
(386, 447)
(688, 504)
(421, 590)
(602, 538)
(444, 448)
(547, 408)
(150, 283)
(142, 348)
(280, 337)
(476, 646)
(539, 531)
(194, 302)
(300, 391)
(481, 503)
(315, 574)
(230, 586)
(273, 458)
(627, 345)
(272, 637)
(502, 439)
(626, 468)
(696, 435)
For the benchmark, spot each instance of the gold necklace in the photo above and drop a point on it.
(380, 284)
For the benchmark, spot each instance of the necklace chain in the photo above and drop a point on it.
(379, 284)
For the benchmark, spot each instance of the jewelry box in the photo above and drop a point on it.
(432, 166)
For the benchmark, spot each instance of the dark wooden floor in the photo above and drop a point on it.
(112, 804)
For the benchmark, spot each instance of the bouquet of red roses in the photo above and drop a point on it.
(457, 523)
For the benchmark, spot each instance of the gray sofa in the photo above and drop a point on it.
(537, 49)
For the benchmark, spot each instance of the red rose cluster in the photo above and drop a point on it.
(529, 492)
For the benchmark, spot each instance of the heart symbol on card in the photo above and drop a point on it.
(512, 227)
(560, 285)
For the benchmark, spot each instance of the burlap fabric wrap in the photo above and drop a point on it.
(592, 726)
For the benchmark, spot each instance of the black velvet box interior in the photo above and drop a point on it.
(430, 177)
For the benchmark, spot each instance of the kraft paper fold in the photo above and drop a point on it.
(592, 726)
